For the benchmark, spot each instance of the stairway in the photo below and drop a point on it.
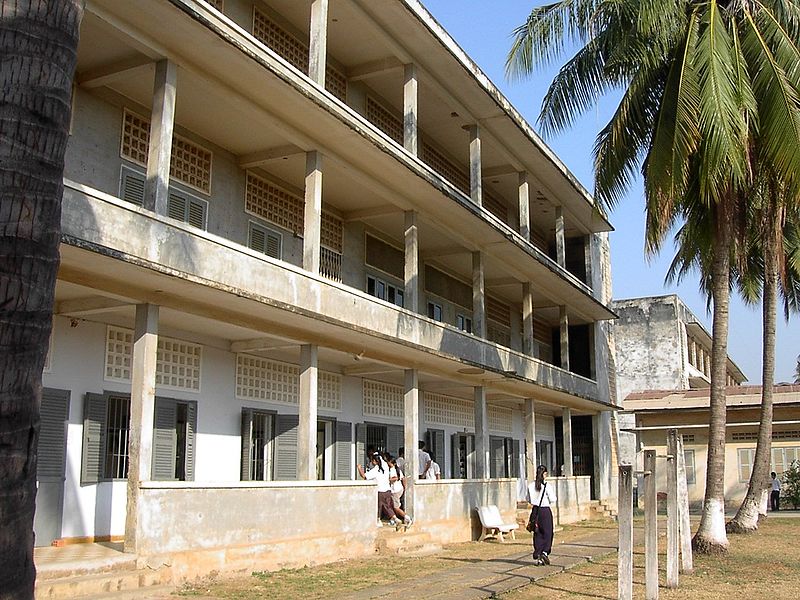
(400, 542)
(604, 509)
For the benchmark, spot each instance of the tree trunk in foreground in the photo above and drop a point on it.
(38, 46)
(711, 537)
(746, 519)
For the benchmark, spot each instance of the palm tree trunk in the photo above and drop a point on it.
(746, 519)
(38, 43)
(711, 537)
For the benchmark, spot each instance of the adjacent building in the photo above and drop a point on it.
(293, 229)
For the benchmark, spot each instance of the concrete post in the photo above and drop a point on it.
(625, 521)
(684, 525)
(412, 286)
(475, 179)
(478, 295)
(528, 344)
(481, 434)
(561, 244)
(410, 108)
(587, 260)
(162, 122)
(524, 206)
(530, 439)
(312, 223)
(411, 435)
(566, 428)
(318, 41)
(650, 526)
(143, 394)
(672, 510)
(563, 319)
(307, 430)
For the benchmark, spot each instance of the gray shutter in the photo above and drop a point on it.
(273, 245)
(196, 216)
(257, 239)
(434, 438)
(394, 439)
(344, 444)
(51, 451)
(247, 444)
(176, 207)
(455, 464)
(95, 410)
(165, 438)
(191, 439)
(132, 187)
(286, 447)
(361, 444)
(497, 457)
(515, 451)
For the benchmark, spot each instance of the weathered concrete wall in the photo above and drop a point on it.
(573, 495)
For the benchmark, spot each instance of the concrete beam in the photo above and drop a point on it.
(446, 251)
(370, 213)
(501, 282)
(256, 344)
(91, 305)
(370, 369)
(162, 122)
(111, 72)
(499, 171)
(374, 68)
(263, 157)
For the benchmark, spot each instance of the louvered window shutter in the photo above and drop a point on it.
(497, 457)
(273, 247)
(176, 207)
(95, 410)
(52, 434)
(247, 444)
(437, 446)
(191, 439)
(361, 447)
(455, 457)
(132, 187)
(196, 214)
(258, 239)
(286, 447)
(515, 448)
(394, 439)
(344, 445)
(165, 438)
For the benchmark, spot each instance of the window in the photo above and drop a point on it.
(257, 445)
(503, 457)
(273, 203)
(688, 459)
(782, 458)
(180, 205)
(106, 431)
(264, 240)
(464, 323)
(435, 311)
(462, 454)
(385, 291)
(746, 456)
(544, 454)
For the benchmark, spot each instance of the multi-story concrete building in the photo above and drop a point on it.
(292, 229)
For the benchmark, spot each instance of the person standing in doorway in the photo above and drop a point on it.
(542, 496)
(435, 471)
(424, 460)
(775, 495)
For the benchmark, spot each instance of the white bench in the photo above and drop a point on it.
(493, 525)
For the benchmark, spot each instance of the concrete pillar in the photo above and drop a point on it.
(528, 344)
(312, 217)
(684, 525)
(524, 206)
(478, 295)
(410, 108)
(561, 244)
(318, 41)
(650, 526)
(563, 319)
(673, 531)
(625, 522)
(587, 258)
(143, 395)
(307, 429)
(162, 122)
(411, 434)
(481, 434)
(530, 439)
(412, 280)
(566, 429)
(475, 179)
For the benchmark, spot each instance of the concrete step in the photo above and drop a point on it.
(156, 592)
(406, 543)
(83, 586)
(46, 570)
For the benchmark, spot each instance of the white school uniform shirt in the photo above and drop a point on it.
(549, 497)
(776, 485)
(433, 471)
(381, 478)
(397, 486)
(424, 458)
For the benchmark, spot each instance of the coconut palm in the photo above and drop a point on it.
(700, 81)
(38, 43)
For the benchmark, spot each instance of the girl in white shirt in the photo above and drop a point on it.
(542, 496)
(379, 472)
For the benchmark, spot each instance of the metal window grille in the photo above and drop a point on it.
(272, 203)
(457, 175)
(499, 418)
(448, 410)
(384, 119)
(117, 433)
(382, 399)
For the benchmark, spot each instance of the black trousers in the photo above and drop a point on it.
(543, 534)
(775, 500)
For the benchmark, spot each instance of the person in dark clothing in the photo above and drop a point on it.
(542, 496)
(775, 495)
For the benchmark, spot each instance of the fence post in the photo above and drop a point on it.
(672, 509)
(625, 521)
(687, 563)
(650, 526)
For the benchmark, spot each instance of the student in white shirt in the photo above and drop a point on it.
(542, 497)
(775, 495)
(424, 461)
(434, 471)
(398, 480)
(379, 472)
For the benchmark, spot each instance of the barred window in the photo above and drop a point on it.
(382, 399)
(273, 203)
(384, 119)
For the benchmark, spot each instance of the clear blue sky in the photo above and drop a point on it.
(483, 29)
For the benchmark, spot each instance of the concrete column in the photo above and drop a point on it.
(475, 180)
(162, 122)
(587, 259)
(524, 206)
(318, 41)
(307, 429)
(528, 343)
(684, 525)
(625, 521)
(566, 429)
(563, 319)
(411, 434)
(530, 439)
(650, 526)
(481, 434)
(143, 394)
(673, 531)
(410, 108)
(412, 280)
(561, 244)
(312, 218)
(478, 295)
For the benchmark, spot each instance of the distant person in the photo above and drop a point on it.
(424, 461)
(775, 495)
(397, 479)
(401, 458)
(542, 496)
(435, 472)
(379, 473)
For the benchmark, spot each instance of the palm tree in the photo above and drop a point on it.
(701, 79)
(38, 43)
